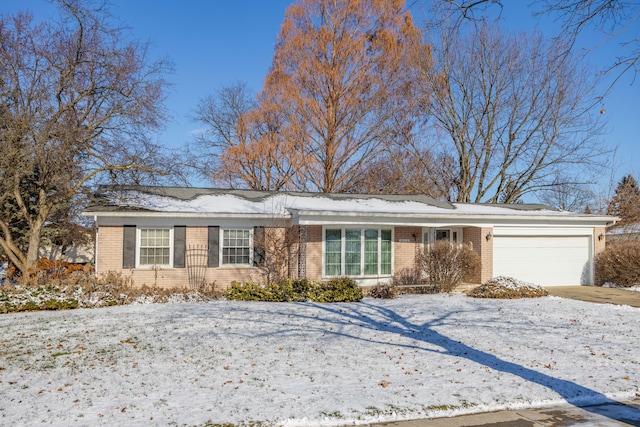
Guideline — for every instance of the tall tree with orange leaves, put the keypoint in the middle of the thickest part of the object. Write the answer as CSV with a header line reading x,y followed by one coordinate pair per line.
x,y
342,74
339,90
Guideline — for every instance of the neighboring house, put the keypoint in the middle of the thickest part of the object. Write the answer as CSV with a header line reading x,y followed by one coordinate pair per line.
x,y
169,236
75,254
624,232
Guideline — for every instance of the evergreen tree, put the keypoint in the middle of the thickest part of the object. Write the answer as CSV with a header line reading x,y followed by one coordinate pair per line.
x,y
626,201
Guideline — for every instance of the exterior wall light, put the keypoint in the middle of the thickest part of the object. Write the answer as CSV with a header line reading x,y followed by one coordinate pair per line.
x,y
489,236
601,236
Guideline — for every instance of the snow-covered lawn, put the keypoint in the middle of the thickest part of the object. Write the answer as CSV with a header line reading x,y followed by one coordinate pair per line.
x,y
301,364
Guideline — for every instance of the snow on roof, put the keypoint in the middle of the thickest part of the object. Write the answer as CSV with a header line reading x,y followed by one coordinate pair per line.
x,y
217,202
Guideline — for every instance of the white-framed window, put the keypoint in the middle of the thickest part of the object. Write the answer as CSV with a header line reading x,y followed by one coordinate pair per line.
x,y
432,235
236,247
155,247
357,252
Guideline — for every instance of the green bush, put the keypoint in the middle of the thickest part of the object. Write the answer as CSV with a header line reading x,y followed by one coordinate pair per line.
x,y
338,289
341,289
619,264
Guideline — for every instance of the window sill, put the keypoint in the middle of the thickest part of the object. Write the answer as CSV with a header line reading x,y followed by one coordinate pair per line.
x,y
154,267
234,266
375,276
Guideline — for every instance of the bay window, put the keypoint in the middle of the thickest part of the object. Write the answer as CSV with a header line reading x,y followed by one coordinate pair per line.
x,y
357,252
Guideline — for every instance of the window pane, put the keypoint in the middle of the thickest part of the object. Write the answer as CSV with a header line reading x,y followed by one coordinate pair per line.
x,y
333,253
442,234
352,252
385,252
371,252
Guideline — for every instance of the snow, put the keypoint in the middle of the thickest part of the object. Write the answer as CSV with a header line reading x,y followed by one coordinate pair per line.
x,y
303,364
511,283
281,204
635,288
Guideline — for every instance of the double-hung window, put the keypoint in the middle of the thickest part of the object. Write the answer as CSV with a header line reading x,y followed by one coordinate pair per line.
x,y
155,247
236,247
357,252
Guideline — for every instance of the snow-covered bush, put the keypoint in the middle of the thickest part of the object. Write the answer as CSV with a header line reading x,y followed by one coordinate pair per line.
x,y
81,289
619,264
504,287
444,265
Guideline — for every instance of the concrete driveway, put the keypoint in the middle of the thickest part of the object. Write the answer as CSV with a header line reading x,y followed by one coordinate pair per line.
x,y
613,414
597,294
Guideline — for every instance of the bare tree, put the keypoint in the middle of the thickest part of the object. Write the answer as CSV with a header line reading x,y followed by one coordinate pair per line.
x,y
568,196
407,170
78,103
614,19
513,111
220,114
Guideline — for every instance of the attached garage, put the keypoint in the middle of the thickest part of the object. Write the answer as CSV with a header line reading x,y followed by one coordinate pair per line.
x,y
563,257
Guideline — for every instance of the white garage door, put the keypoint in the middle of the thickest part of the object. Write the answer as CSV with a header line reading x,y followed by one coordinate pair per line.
x,y
546,261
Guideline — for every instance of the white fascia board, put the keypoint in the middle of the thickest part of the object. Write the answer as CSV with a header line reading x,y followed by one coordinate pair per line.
x,y
202,215
557,230
437,220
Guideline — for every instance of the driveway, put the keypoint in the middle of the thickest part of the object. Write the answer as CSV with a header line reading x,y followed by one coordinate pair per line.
x,y
597,294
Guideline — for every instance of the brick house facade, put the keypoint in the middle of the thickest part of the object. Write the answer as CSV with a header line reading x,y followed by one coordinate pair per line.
x,y
164,236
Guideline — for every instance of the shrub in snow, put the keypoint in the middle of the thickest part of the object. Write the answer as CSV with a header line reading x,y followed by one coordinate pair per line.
x,y
407,277
619,264
444,265
341,289
43,291
504,287
282,291
338,289
383,291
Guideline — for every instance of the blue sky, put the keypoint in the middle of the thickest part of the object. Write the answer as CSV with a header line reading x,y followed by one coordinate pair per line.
x,y
214,43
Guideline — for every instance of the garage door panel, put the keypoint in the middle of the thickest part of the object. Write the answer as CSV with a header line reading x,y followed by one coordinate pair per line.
x,y
547,261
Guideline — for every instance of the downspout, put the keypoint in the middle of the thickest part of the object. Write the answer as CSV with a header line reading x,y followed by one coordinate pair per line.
x,y
95,247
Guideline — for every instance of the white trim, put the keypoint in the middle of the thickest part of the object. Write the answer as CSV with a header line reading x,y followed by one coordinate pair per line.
x,y
205,215
501,230
221,246
458,231
138,241
382,218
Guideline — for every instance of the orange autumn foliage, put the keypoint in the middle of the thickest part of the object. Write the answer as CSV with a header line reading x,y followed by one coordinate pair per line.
x,y
340,83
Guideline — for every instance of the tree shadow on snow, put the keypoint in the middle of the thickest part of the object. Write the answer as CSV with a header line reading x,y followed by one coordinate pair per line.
x,y
384,319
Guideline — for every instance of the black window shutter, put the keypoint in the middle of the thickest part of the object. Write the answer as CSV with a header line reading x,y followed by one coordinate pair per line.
x,y
179,245
258,246
213,258
129,247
